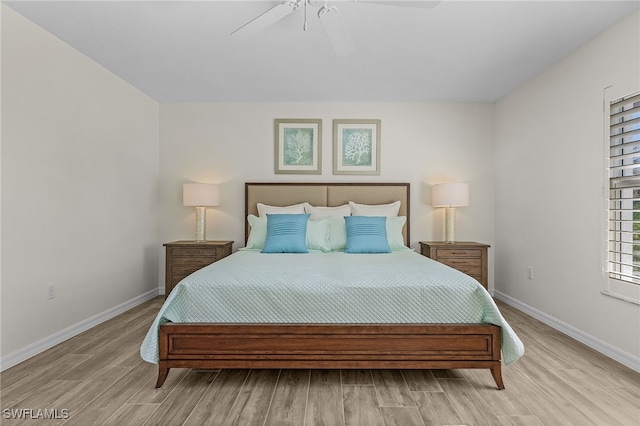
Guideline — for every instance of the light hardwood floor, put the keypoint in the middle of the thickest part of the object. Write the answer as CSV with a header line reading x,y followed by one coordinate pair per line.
x,y
98,378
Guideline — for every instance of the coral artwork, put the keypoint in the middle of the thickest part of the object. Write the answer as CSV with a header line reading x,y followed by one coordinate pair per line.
x,y
356,149
298,147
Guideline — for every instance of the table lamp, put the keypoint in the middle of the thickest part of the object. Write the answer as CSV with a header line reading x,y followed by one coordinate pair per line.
x,y
450,196
201,196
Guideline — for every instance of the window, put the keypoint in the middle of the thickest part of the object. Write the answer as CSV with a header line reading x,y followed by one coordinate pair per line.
x,y
622,189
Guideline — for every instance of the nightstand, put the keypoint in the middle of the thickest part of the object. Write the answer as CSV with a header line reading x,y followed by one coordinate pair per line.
x,y
186,257
467,257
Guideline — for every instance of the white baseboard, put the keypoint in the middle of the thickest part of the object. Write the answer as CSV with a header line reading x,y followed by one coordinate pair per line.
x,y
42,345
604,348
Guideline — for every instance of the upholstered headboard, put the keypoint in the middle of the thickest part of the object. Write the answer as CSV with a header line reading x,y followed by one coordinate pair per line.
x,y
326,194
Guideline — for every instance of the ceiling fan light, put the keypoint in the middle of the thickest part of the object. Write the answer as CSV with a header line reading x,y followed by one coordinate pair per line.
x,y
336,31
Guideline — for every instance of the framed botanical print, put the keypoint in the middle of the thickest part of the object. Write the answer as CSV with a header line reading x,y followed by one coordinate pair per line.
x,y
356,147
298,146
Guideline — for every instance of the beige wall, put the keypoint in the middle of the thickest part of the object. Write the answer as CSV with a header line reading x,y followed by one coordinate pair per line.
x,y
549,190
79,187
421,144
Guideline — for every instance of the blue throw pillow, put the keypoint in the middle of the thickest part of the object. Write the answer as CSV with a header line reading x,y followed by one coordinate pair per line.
x,y
286,233
366,234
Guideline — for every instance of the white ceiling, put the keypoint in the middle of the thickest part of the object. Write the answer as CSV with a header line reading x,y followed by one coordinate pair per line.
x,y
181,51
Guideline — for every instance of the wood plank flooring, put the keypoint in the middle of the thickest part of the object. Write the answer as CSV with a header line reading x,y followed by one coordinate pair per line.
x,y
98,378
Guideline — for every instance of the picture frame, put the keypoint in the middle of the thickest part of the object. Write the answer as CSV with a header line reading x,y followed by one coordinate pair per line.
x,y
298,146
356,147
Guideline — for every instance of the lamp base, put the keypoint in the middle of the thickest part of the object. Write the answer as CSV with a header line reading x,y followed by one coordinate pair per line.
x,y
201,224
450,225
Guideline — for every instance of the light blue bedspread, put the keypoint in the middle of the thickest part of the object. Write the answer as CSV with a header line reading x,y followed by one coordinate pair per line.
x,y
400,287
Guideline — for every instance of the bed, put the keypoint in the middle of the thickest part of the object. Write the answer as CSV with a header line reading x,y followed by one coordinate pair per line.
x,y
343,318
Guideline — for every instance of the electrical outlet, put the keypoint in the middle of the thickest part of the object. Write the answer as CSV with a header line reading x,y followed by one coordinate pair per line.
x,y
52,292
530,272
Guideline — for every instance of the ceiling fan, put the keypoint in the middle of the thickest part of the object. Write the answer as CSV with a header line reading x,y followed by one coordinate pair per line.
x,y
329,16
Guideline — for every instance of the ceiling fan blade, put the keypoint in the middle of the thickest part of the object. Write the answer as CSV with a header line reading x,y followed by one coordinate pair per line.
x,y
266,19
424,4
336,31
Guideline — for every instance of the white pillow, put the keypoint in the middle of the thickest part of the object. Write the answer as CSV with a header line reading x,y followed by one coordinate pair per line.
x,y
337,234
394,233
375,210
257,232
263,209
320,212
317,234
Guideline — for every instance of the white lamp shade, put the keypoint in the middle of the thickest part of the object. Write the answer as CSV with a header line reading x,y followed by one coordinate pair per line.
x,y
450,195
200,194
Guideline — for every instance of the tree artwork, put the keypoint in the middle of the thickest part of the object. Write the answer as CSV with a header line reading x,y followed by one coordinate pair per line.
x,y
356,147
298,146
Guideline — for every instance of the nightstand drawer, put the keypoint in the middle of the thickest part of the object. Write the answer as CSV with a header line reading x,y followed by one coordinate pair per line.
x,y
458,262
192,261
187,269
190,251
469,266
458,253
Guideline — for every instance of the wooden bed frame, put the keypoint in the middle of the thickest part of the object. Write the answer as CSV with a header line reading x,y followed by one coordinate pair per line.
x,y
329,346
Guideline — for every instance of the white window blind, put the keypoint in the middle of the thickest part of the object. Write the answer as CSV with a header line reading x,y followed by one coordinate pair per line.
x,y
623,240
